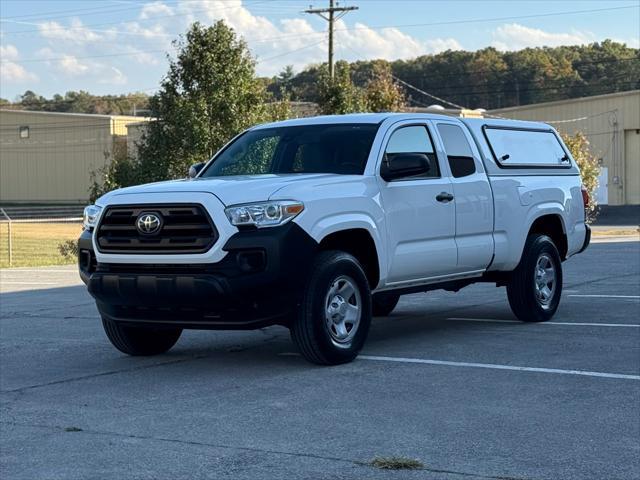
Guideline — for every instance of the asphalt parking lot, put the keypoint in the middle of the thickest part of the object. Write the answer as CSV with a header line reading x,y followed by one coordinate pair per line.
x,y
449,379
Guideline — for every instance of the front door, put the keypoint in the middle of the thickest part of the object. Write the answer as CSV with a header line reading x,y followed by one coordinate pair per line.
x,y
420,216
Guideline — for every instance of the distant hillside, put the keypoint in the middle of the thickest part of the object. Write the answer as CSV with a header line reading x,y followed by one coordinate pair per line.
x,y
82,102
489,78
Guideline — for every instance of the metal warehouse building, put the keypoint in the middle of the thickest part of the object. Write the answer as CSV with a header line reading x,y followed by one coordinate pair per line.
x,y
612,125
48,157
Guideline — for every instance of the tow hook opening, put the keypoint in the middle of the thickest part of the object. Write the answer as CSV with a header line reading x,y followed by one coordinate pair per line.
x,y
250,261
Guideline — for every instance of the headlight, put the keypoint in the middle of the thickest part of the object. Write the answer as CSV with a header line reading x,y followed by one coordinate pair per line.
x,y
90,216
264,214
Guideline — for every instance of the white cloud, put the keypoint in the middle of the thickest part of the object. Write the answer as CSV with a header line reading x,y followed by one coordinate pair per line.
x,y
306,44
116,77
70,65
154,32
388,43
150,10
142,57
437,45
514,36
8,52
10,71
631,42
76,33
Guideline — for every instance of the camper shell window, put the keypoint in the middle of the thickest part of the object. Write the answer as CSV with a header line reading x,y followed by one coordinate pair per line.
x,y
526,148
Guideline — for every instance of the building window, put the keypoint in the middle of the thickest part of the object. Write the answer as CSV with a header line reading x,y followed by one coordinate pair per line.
x,y
23,132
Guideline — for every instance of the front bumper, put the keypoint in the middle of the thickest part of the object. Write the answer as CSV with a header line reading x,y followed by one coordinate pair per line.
x,y
257,283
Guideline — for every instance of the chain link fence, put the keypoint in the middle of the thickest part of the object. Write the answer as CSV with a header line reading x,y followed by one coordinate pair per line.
x,y
39,236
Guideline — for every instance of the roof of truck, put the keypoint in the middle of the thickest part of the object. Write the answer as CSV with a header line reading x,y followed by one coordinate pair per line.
x,y
376,118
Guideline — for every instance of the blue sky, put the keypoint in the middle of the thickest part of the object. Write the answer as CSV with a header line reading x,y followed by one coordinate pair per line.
x,y
118,46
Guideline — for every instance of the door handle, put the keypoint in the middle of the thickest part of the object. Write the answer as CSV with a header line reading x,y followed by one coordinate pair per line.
x,y
444,197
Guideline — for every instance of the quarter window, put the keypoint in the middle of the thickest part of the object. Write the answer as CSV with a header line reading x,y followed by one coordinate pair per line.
x,y
459,154
413,139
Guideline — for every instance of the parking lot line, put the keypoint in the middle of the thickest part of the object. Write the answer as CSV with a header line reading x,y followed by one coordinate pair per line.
x,y
498,367
576,324
635,297
2,282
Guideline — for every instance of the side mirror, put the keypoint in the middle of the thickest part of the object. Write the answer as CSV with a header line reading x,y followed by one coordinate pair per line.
x,y
194,170
404,165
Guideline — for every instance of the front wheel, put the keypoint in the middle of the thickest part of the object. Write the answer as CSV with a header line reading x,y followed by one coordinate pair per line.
x,y
140,340
334,318
535,287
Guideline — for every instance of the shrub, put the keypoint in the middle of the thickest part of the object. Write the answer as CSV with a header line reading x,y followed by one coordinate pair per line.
x,y
589,167
68,249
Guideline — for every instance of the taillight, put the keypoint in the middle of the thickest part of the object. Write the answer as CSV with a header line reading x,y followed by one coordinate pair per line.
x,y
585,197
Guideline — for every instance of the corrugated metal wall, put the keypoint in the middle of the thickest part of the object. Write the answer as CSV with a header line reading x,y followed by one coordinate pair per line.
x,y
52,160
612,125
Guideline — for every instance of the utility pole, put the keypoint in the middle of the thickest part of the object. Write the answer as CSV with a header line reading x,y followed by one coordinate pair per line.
x,y
332,18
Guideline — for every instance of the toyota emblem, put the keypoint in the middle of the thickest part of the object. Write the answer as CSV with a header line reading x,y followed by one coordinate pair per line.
x,y
148,223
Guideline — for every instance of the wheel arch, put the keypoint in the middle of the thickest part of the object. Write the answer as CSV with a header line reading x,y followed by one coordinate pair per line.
x,y
552,225
359,242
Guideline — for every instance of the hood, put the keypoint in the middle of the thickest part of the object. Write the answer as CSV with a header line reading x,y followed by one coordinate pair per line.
x,y
230,190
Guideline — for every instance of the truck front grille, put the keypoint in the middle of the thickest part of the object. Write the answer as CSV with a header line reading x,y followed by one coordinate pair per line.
x,y
184,228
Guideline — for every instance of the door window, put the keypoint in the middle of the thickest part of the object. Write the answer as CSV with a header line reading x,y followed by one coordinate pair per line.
x,y
459,154
413,139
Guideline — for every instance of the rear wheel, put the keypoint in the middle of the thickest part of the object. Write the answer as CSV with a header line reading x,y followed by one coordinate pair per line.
x,y
384,303
140,340
535,287
334,317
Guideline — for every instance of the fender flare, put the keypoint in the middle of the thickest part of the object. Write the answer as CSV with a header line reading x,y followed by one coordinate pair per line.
x,y
538,211
350,221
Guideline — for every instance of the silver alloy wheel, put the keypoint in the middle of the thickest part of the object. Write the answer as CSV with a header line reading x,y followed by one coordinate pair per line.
x,y
343,310
545,280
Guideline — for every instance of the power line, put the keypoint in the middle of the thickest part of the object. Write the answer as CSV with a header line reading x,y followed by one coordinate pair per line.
x,y
430,95
106,10
579,119
605,86
557,83
88,26
116,99
417,89
382,27
467,72
140,52
77,12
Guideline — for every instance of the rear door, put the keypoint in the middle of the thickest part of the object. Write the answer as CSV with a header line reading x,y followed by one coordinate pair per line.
x,y
473,197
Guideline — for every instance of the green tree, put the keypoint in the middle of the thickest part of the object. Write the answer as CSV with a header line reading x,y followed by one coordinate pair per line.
x,y
382,93
282,82
209,95
589,166
340,95
30,100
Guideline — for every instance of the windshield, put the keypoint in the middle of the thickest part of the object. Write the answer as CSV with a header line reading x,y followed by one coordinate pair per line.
x,y
341,148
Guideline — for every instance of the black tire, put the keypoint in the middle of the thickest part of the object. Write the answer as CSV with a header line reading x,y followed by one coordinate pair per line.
x,y
527,301
384,303
310,329
140,341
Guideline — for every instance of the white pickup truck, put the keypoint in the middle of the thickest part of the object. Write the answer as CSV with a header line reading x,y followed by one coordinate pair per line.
x,y
318,224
